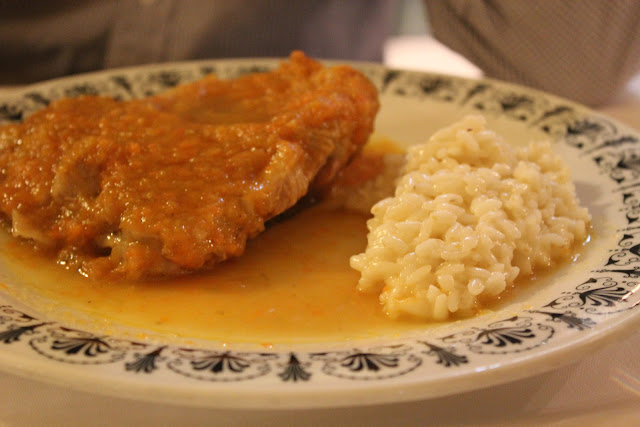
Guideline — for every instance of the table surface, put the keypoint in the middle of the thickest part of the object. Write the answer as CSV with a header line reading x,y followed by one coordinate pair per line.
x,y
602,388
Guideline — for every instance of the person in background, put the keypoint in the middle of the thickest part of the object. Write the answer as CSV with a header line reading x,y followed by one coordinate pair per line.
x,y
41,39
585,50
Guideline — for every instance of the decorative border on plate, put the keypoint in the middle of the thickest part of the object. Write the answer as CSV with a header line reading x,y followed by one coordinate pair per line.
x,y
612,289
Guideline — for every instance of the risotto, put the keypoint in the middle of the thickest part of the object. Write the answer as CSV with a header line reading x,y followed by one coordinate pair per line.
x,y
470,214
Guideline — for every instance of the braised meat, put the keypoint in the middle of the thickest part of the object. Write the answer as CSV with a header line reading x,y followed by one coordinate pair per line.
x,y
178,182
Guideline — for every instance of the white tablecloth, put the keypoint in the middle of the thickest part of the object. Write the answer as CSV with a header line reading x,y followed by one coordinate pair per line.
x,y
602,388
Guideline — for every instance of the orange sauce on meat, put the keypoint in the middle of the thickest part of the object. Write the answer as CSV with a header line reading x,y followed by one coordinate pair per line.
x,y
293,285
177,182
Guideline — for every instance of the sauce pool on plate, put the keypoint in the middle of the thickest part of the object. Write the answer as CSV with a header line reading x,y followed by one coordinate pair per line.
x,y
293,285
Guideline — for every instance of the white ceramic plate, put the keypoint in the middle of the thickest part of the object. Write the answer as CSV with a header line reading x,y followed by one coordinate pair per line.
x,y
595,298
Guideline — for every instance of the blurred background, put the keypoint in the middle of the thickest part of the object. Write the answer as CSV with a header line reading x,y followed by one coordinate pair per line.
x,y
585,50
412,46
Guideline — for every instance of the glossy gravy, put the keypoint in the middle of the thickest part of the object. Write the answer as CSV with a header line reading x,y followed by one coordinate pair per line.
x,y
293,284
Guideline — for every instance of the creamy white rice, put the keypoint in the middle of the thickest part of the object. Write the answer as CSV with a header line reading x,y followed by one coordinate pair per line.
x,y
470,215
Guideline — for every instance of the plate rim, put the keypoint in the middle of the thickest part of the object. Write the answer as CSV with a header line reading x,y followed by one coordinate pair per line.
x,y
614,328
